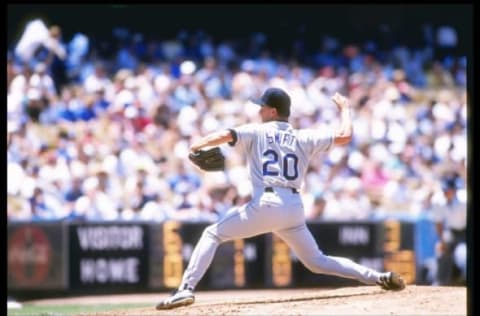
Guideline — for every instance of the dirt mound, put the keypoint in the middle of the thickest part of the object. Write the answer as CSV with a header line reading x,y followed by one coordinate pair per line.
x,y
362,300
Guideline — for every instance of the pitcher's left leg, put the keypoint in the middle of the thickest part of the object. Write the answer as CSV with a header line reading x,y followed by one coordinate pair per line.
x,y
239,223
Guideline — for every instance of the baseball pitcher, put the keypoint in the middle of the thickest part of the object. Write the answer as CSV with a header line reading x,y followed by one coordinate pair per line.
x,y
278,157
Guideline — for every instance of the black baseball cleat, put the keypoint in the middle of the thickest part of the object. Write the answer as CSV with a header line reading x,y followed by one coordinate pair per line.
x,y
179,298
391,281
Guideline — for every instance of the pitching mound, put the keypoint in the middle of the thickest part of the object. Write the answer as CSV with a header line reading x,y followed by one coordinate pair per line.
x,y
363,300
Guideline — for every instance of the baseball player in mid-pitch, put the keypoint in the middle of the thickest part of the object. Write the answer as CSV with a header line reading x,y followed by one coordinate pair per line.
x,y
278,157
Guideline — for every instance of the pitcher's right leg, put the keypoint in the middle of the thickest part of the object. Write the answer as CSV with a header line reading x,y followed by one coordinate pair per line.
x,y
301,241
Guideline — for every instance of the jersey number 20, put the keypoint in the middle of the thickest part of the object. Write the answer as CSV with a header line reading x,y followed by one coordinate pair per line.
x,y
286,164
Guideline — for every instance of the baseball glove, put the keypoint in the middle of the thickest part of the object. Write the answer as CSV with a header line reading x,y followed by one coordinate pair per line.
x,y
209,160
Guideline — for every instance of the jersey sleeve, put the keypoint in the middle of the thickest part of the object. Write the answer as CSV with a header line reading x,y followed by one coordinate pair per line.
x,y
318,140
243,135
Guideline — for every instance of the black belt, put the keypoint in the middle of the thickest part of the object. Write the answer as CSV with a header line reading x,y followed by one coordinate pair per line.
x,y
270,189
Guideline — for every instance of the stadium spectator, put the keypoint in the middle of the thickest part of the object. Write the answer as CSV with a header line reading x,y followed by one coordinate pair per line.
x,y
450,214
37,36
120,116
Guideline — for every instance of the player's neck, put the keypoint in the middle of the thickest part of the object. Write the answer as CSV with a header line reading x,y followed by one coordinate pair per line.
x,y
279,119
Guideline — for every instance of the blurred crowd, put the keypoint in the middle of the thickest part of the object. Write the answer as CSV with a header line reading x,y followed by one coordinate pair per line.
x,y
95,138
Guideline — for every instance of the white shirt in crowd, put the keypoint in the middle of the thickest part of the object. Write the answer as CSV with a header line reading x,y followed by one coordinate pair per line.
x,y
35,34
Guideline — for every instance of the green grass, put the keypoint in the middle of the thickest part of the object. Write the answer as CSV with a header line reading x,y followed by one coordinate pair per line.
x,y
72,309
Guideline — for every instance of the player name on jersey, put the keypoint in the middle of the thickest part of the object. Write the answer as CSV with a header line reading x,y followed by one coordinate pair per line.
x,y
281,138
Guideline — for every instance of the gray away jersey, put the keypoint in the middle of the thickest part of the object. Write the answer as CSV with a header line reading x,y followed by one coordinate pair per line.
x,y
278,155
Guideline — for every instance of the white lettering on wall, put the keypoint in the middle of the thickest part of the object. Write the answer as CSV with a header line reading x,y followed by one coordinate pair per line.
x,y
354,235
187,251
102,270
110,238
250,252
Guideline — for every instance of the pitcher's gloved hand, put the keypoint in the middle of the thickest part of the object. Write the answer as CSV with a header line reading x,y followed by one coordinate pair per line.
x,y
209,159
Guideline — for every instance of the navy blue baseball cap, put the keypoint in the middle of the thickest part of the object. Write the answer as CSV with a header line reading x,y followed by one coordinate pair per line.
x,y
275,98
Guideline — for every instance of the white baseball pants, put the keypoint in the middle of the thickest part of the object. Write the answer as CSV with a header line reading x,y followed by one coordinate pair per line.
x,y
280,212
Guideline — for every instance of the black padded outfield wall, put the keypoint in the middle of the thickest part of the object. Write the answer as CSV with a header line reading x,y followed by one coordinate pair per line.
x,y
108,255
266,261
379,245
36,256
114,257
237,263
